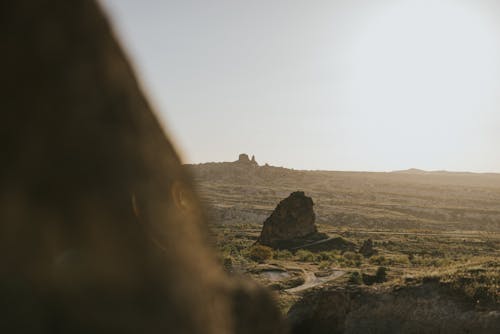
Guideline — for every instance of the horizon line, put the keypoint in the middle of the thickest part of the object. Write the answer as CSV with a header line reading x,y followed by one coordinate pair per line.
x,y
411,170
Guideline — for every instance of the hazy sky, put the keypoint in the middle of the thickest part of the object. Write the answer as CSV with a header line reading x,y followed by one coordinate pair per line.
x,y
322,84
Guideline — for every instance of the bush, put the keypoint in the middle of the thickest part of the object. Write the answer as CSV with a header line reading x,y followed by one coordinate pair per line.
x,y
351,256
227,262
379,259
355,278
326,256
381,274
379,277
305,256
350,259
283,254
259,253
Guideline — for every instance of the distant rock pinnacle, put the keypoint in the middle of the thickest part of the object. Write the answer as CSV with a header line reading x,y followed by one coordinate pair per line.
x,y
245,160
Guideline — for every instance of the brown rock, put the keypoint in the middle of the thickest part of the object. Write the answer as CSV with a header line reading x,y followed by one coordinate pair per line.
x,y
243,159
424,308
291,224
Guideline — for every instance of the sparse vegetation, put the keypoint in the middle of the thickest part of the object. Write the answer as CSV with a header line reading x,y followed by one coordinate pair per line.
x,y
422,233
259,253
305,256
381,274
324,265
283,254
228,263
355,278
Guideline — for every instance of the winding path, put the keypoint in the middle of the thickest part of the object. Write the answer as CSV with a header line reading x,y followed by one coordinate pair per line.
x,y
312,280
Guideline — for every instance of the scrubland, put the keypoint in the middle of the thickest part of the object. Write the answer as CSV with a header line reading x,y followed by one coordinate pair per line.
x,y
425,226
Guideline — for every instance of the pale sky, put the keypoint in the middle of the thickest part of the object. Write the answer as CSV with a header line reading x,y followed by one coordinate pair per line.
x,y
373,85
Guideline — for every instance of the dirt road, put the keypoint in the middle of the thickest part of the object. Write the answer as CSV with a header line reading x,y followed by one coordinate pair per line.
x,y
312,280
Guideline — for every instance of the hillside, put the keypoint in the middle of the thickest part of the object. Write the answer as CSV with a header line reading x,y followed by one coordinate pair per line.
x,y
239,192
423,246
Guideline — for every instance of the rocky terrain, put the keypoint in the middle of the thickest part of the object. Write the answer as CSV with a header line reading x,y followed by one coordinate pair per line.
x,y
406,252
408,200
429,307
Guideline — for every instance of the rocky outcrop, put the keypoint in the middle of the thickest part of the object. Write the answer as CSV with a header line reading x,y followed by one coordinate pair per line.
x,y
291,224
243,159
426,308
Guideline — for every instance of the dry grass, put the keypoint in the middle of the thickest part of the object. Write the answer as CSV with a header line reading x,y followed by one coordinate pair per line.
x,y
435,226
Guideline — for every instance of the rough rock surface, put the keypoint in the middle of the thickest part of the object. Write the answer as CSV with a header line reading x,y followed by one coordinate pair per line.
x,y
291,224
245,160
426,308
334,243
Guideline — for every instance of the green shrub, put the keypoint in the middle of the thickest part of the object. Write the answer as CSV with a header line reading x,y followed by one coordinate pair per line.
x,y
379,277
381,274
355,278
228,249
326,256
379,259
350,259
259,253
305,256
283,254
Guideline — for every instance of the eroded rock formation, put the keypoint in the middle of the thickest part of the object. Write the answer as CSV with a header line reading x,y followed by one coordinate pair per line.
x,y
425,308
291,224
243,159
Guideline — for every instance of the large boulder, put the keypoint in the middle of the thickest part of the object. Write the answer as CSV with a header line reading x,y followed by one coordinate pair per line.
x,y
291,224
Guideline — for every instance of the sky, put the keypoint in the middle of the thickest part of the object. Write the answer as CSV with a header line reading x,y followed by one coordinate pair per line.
x,y
366,85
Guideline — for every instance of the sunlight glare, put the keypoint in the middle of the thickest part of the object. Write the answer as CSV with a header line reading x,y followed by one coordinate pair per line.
x,y
421,72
